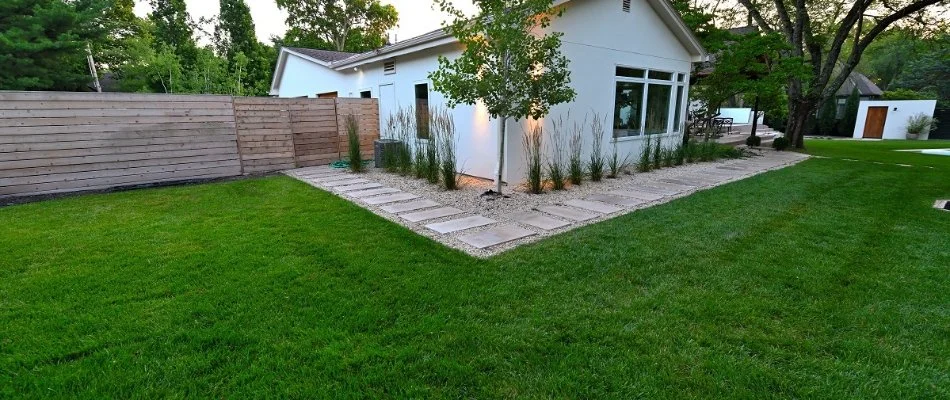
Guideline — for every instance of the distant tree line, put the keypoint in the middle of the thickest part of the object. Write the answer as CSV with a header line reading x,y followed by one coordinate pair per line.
x,y
45,43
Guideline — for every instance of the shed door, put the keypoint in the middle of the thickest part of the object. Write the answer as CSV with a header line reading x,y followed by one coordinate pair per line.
x,y
874,124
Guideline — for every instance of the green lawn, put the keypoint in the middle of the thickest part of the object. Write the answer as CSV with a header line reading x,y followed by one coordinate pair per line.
x,y
830,279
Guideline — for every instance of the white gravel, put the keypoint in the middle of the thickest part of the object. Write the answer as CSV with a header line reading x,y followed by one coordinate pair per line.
x,y
469,197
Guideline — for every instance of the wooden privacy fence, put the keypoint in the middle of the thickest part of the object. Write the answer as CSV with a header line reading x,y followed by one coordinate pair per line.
x,y
62,142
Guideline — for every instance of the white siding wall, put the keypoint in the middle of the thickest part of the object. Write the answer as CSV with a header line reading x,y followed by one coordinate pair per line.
x,y
598,37
304,78
898,111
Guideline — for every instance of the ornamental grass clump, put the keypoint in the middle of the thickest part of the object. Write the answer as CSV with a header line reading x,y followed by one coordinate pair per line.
x,y
443,130
575,164
391,156
615,164
679,154
532,146
657,158
406,134
669,156
596,164
353,142
645,165
556,160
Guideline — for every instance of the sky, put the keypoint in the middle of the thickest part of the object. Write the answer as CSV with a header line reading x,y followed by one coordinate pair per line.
x,y
415,16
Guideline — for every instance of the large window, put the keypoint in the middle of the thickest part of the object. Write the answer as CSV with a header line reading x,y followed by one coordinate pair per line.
x,y
647,102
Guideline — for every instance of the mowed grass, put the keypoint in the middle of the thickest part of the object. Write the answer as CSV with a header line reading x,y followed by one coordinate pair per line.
x,y
824,280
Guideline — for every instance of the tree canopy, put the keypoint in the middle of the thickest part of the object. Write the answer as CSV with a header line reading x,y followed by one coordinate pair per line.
x,y
341,25
43,43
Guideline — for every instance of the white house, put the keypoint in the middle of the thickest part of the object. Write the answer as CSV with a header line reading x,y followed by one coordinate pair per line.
x,y
630,62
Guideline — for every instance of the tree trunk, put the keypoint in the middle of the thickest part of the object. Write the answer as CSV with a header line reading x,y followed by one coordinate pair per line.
x,y
501,152
798,115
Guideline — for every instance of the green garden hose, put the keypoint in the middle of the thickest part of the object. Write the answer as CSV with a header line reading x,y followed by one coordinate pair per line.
x,y
344,164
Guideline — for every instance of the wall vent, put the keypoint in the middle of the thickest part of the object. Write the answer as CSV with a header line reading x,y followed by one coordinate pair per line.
x,y
389,67
626,5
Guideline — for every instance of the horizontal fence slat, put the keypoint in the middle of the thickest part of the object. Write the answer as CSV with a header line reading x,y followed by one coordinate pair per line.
x,y
55,142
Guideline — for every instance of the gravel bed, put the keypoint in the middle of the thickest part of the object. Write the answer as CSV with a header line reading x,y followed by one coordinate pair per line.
x,y
470,199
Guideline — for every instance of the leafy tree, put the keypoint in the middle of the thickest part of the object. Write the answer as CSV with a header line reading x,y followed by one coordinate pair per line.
x,y
850,113
341,25
817,33
827,117
930,73
507,65
885,58
235,31
752,65
43,43
249,62
174,29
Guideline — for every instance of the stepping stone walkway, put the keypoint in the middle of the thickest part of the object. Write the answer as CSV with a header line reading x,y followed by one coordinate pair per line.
x,y
488,234
616,200
495,236
392,198
344,182
358,186
594,206
431,214
372,192
638,194
461,224
538,220
410,206
572,214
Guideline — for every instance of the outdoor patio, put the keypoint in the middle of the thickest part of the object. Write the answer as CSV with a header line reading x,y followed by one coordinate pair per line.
x,y
484,226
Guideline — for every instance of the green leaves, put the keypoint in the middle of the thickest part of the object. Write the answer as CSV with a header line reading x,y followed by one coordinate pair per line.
x,y
341,25
42,43
506,65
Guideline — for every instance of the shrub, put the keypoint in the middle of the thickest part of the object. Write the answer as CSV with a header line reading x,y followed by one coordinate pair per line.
x,y
780,143
753,141
596,164
532,145
556,163
708,151
575,167
644,165
615,164
353,141
920,123
443,130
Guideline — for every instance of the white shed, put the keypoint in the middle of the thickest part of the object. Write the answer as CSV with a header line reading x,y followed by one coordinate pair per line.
x,y
887,119
630,62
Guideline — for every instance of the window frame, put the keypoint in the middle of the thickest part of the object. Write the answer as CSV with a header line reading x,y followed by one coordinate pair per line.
x,y
675,84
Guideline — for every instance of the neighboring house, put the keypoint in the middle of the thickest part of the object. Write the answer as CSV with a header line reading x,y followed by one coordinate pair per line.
x,y
867,90
630,62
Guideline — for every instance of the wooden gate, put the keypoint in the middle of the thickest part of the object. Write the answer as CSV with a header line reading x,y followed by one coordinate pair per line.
x,y
874,123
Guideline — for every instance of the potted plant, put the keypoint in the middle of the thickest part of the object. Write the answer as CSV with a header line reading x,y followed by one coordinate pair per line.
x,y
919,124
